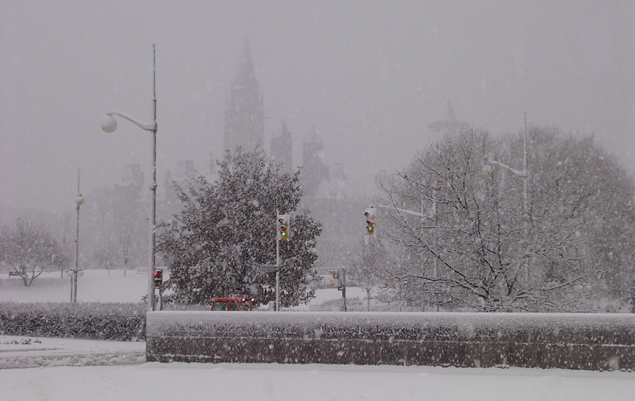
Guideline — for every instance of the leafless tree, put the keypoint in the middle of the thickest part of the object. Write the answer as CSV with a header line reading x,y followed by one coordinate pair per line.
x,y
30,250
367,269
477,247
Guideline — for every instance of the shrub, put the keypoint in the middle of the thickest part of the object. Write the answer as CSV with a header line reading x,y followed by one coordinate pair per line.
x,y
96,321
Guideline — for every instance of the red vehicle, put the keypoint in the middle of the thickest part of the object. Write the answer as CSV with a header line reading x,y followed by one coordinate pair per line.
x,y
232,304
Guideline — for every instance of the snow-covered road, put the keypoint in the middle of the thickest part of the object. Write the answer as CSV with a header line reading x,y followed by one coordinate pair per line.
x,y
123,381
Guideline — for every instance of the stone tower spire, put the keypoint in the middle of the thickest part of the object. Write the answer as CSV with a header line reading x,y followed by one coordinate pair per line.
x,y
244,109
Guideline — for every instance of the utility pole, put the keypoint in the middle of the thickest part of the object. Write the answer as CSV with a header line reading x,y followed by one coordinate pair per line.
x,y
78,202
109,124
524,174
277,263
339,274
283,225
343,273
526,171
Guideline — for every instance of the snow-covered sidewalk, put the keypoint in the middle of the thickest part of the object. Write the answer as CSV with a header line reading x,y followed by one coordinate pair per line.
x,y
29,352
183,382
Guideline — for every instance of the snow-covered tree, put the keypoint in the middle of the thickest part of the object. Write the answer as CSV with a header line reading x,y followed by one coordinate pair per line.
x,y
30,250
582,221
227,229
478,247
367,269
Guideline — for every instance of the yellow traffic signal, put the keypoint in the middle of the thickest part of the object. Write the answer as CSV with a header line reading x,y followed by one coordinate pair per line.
x,y
370,228
284,228
370,220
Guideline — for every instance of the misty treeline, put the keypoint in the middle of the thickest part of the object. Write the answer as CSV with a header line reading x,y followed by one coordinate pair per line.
x,y
113,235
482,245
116,225
226,230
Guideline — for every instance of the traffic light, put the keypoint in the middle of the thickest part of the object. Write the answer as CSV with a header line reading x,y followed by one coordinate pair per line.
x,y
340,275
158,278
336,276
370,220
284,228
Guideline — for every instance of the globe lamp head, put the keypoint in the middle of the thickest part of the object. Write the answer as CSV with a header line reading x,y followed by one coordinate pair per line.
x,y
108,124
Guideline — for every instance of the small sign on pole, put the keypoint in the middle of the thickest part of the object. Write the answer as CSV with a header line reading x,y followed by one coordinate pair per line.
x,y
269,268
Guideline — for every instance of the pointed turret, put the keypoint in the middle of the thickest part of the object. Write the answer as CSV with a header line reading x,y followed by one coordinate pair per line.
x,y
245,73
281,149
315,169
449,126
244,113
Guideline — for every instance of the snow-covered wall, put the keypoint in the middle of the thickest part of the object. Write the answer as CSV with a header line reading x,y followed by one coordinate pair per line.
x,y
570,341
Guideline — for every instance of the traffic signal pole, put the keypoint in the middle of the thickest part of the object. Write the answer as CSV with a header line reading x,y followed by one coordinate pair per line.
x,y
343,272
277,265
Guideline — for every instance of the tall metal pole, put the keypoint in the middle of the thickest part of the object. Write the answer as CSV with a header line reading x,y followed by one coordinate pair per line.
x,y
109,124
153,185
523,174
434,224
277,266
343,273
78,201
526,172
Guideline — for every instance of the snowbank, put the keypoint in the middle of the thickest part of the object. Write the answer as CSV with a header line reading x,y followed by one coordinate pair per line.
x,y
30,352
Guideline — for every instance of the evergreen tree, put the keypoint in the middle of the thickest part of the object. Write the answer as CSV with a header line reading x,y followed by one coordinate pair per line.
x,y
227,229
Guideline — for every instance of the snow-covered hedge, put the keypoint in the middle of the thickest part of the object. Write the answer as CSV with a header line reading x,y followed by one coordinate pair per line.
x,y
101,321
570,341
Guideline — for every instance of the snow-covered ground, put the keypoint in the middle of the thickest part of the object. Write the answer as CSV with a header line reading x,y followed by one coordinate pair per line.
x,y
68,369
92,286
102,286
73,378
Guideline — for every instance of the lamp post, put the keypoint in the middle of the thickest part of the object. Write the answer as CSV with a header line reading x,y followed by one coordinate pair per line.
x,y
78,201
523,174
109,124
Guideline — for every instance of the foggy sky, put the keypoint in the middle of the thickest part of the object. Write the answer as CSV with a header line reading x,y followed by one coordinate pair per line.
x,y
368,75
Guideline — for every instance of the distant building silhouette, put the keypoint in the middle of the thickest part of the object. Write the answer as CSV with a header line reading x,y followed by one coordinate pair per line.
x,y
282,150
449,126
314,169
132,175
184,171
132,180
244,109
324,187
339,179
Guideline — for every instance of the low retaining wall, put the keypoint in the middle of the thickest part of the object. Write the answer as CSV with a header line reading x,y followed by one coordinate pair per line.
x,y
568,341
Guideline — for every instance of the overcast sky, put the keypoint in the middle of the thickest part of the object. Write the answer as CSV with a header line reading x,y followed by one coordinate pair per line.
x,y
368,75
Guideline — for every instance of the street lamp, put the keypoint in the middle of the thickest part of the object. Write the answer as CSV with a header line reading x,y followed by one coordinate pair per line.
x,y
109,124
78,201
523,174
